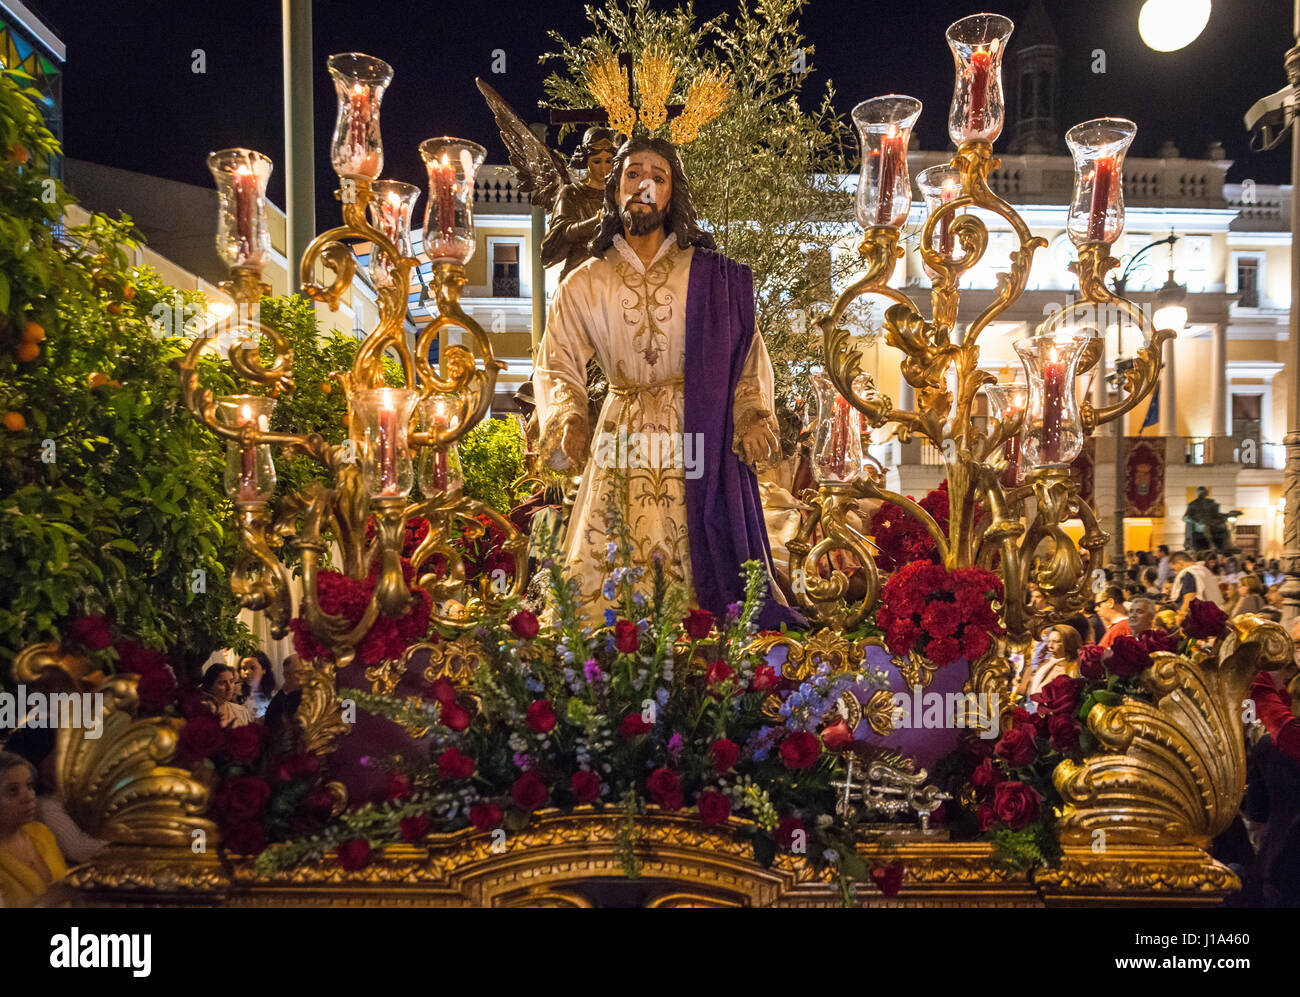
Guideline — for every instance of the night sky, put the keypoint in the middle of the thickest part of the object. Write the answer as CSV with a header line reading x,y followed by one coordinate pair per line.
x,y
131,100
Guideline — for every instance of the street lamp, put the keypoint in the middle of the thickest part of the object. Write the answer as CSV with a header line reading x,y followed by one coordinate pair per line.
x,y
1171,313
1168,25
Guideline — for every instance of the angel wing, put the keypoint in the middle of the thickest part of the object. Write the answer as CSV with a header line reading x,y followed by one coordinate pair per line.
x,y
540,171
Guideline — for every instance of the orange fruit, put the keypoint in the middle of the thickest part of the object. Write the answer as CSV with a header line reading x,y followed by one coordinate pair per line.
x,y
27,352
14,422
96,380
128,292
19,154
33,332
115,383
115,308
326,387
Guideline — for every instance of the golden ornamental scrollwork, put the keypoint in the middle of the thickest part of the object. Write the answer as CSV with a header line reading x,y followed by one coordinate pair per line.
x,y
1172,770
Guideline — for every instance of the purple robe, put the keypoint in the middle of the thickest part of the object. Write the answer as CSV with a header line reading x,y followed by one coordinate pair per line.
x,y
724,516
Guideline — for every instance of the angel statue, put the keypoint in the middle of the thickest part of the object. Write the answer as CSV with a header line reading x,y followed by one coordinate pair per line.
x,y
690,411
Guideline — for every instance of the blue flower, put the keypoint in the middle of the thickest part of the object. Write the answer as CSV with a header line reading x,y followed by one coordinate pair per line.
x,y
607,590
611,617
638,598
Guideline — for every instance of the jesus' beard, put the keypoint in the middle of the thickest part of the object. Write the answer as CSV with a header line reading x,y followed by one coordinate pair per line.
x,y
642,222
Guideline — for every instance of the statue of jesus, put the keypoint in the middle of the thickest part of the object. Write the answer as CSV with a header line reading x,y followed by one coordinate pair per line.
x,y
690,410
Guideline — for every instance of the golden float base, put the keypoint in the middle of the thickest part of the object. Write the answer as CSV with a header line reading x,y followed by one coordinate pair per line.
x,y
574,861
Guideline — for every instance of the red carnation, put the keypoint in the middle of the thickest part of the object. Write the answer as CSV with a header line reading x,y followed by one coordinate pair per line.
x,y
585,785
201,737
92,632
698,623
442,691
133,657
1016,804
454,716
800,750
715,808
791,834
524,624
319,802
304,766
485,816
888,878
665,788
397,787
719,671
725,754
1204,620
634,725
452,764
837,736
529,791
765,678
354,853
626,636
540,717
415,828
1017,747
156,689
244,744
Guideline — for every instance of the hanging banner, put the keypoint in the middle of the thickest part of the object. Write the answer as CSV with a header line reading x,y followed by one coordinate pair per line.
x,y
1144,476
1083,470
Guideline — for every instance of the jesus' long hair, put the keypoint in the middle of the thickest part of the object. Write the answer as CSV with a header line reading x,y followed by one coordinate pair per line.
x,y
680,217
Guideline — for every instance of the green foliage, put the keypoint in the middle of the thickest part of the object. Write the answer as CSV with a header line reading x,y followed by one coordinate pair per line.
x,y
492,457
764,174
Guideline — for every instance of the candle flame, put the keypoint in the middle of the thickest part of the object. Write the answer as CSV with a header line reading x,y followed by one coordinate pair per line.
x,y
246,414
1052,358
394,200
243,169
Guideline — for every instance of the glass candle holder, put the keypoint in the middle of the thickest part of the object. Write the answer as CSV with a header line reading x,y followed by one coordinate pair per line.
x,y
440,470
837,445
1006,402
243,239
1097,209
359,81
884,190
978,109
449,212
384,416
250,470
1053,430
390,211
939,185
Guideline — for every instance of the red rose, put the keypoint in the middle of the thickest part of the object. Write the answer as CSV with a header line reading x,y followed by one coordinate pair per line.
x,y
248,838
719,671
200,737
633,726
978,747
415,828
524,624
1063,733
984,814
765,678
1127,658
665,788
354,853
540,717
1016,804
1016,747
1157,640
529,791
1204,620
454,716
791,835
397,787
132,657
319,802
626,637
1061,695
192,704
715,808
725,754
242,798
800,750
156,689
454,765
888,878
585,785
92,632
244,744
485,816
442,691
304,766
698,623
986,776
1092,662
837,736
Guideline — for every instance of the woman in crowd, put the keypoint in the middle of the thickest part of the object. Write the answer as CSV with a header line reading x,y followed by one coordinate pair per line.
x,y
30,862
1062,658
1250,596
37,744
218,686
258,680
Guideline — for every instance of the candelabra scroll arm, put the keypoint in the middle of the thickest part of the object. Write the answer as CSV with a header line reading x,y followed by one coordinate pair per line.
x,y
367,366
265,587
831,505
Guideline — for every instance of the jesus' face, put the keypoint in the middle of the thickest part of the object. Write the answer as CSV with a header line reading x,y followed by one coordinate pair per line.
x,y
643,194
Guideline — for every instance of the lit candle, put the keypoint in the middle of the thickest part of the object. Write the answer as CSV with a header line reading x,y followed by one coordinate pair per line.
x,y
248,491
980,62
1053,402
390,218
442,180
1011,450
839,436
245,188
892,159
1104,174
438,468
358,125
949,193
387,447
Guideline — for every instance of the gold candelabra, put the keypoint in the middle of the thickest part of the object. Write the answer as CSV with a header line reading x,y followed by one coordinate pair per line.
x,y
1011,520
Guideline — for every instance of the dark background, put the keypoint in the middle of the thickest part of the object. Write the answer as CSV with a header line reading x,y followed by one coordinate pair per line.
x,y
131,99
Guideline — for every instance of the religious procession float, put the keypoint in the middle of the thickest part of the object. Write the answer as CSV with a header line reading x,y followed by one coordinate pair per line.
x,y
616,700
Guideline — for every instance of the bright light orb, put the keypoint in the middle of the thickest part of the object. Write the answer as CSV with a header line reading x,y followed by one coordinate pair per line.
x,y
1168,25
